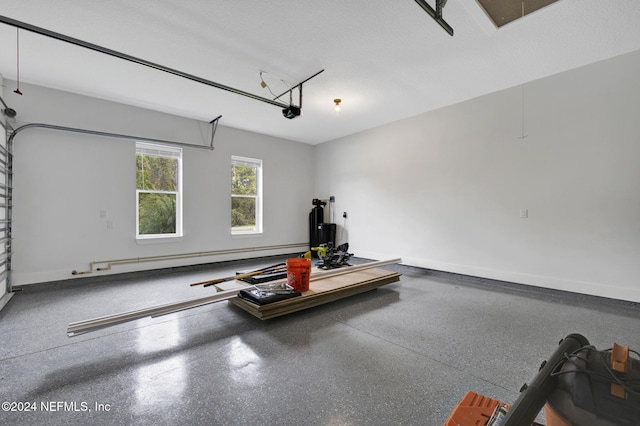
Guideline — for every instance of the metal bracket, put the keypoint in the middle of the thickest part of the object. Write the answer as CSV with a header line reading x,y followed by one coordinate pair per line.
x,y
214,127
299,86
436,14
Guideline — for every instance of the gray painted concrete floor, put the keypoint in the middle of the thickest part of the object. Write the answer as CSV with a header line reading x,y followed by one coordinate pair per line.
x,y
402,354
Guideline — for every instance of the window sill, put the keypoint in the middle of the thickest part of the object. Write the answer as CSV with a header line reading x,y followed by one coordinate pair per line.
x,y
247,235
158,240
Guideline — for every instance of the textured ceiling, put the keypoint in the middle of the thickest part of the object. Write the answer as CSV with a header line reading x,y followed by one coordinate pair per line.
x,y
386,60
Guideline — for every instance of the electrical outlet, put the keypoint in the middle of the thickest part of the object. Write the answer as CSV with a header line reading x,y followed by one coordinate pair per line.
x,y
524,213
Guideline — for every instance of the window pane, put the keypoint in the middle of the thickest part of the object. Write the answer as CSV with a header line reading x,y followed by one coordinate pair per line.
x,y
243,213
156,173
246,195
156,213
244,180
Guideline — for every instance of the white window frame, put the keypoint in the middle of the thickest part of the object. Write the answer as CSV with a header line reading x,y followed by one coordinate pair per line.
x,y
161,151
254,162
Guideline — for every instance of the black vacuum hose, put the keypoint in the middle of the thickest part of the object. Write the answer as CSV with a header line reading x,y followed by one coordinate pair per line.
x,y
533,397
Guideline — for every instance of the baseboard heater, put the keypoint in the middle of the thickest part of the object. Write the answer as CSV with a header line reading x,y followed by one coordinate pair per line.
x,y
108,264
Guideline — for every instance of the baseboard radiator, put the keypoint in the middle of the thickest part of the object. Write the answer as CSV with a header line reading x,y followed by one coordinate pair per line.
x,y
106,265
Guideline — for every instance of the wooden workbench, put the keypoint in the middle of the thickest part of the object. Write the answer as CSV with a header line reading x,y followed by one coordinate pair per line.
x,y
322,291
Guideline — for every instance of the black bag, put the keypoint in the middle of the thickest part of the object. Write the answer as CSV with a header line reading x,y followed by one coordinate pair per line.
x,y
266,293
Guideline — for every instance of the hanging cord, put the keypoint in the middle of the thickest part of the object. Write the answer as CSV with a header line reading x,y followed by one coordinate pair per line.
x,y
18,61
609,375
266,86
523,115
523,136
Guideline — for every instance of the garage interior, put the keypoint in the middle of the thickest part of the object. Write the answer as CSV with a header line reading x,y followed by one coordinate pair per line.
x,y
498,160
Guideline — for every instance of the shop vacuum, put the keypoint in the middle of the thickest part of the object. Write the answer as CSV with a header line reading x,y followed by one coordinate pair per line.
x,y
578,385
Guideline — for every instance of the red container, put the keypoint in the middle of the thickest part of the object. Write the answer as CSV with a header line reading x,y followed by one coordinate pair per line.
x,y
298,272
473,410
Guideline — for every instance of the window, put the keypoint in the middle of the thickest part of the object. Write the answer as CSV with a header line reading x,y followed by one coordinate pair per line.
x,y
158,191
246,195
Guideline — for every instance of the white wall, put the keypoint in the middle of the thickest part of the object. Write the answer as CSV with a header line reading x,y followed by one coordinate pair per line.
x,y
444,189
63,181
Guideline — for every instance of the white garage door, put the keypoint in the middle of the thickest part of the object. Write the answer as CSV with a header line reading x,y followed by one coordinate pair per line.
x,y
5,213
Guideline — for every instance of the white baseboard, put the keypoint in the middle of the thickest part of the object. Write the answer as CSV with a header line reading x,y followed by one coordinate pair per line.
x,y
575,286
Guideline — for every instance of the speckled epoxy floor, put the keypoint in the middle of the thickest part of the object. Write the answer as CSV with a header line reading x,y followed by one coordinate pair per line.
x,y
402,354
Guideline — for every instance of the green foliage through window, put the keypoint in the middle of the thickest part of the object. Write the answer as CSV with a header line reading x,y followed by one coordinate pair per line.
x,y
245,195
156,173
243,212
158,183
157,213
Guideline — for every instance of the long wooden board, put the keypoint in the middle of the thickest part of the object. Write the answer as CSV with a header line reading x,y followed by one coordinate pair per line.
x,y
321,292
79,327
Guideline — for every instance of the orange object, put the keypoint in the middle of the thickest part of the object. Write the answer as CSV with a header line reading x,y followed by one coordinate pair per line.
x,y
473,410
553,418
619,359
298,273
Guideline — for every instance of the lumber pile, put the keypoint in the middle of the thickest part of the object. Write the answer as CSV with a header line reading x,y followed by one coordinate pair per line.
x,y
321,292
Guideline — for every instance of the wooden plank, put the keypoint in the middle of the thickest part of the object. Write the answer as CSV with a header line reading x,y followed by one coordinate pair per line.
x,y
321,292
